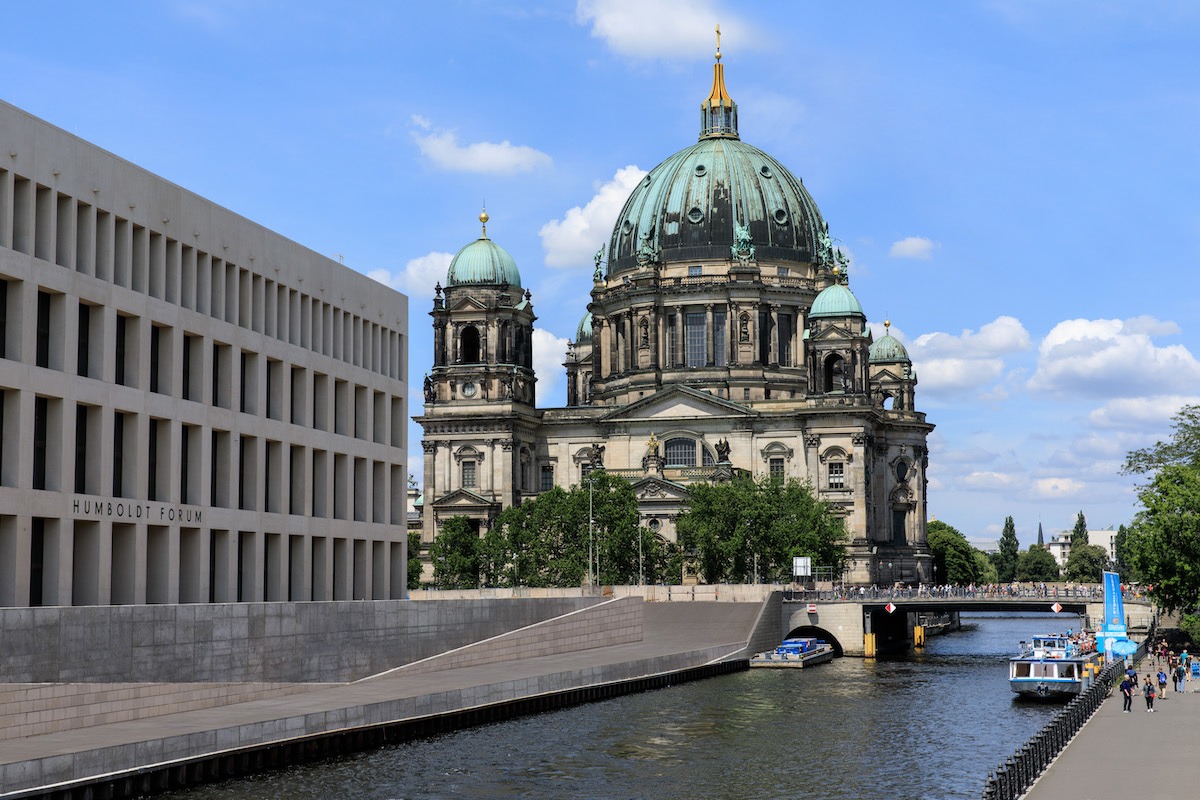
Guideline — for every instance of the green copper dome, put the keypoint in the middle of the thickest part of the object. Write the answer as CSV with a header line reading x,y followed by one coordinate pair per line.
x,y
687,207
836,301
583,334
483,262
888,350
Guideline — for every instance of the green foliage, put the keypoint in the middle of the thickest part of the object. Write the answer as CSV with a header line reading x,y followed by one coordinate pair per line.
x,y
545,541
1182,450
727,524
414,559
985,569
1079,534
1086,563
1009,550
953,556
1037,564
1163,545
1190,624
455,554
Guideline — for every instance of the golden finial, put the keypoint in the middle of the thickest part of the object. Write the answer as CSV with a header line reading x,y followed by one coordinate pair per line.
x,y
483,218
718,42
836,271
887,326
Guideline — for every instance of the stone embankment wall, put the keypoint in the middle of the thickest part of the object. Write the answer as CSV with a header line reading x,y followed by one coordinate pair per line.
x,y
324,642
613,622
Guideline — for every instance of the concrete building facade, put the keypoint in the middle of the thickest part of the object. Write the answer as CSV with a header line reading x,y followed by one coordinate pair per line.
x,y
192,407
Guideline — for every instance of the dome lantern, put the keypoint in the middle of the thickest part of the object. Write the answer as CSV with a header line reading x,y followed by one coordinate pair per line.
x,y
718,114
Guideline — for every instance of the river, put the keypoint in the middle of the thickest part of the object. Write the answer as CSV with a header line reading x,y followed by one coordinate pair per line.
x,y
925,726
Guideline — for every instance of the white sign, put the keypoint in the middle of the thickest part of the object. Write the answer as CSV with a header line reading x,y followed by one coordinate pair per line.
x,y
802,567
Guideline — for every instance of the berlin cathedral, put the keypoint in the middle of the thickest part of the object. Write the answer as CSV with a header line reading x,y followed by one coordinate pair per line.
x,y
721,339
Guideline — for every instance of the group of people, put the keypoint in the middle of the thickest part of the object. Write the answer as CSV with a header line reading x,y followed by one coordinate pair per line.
x,y
1171,666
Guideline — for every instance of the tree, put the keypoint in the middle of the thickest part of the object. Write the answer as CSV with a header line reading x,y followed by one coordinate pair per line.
x,y
414,560
1182,450
1163,544
455,555
547,541
1008,552
1079,534
1037,564
985,568
1086,563
953,556
734,528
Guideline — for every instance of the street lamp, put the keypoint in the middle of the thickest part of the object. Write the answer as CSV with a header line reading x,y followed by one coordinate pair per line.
x,y
591,536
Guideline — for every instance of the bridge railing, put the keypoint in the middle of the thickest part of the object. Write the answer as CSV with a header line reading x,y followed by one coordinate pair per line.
x,y
851,594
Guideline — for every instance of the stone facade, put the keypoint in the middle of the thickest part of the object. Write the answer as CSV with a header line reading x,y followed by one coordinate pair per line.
x,y
721,339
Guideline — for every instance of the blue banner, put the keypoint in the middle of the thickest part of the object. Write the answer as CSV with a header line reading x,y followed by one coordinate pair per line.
x,y
1114,605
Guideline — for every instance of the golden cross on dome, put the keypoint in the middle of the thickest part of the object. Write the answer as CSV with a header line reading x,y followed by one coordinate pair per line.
x,y
718,42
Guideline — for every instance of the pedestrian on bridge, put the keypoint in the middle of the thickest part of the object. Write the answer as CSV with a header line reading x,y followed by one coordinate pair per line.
x,y
1148,693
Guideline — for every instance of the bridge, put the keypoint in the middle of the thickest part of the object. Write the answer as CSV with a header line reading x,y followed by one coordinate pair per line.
x,y
872,622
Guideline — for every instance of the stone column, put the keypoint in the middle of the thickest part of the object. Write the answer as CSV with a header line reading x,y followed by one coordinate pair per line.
x,y
709,337
773,339
680,338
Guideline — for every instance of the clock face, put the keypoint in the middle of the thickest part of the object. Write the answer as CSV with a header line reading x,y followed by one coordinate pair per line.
x,y
468,389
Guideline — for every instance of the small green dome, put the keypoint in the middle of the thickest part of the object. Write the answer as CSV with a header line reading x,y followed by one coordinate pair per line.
x,y
483,262
836,301
888,350
583,334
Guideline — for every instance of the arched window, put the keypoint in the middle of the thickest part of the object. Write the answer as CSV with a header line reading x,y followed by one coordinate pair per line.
x,y
835,376
680,452
468,348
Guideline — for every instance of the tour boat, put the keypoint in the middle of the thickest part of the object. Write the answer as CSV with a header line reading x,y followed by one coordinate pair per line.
x,y
797,653
1054,666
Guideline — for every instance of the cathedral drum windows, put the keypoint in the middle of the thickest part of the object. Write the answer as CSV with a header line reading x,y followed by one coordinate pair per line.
x,y
469,345
683,451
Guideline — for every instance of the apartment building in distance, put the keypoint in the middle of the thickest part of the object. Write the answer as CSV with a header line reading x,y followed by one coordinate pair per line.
x,y
192,407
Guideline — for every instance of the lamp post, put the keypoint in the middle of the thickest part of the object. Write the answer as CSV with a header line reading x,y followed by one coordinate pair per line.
x,y
591,536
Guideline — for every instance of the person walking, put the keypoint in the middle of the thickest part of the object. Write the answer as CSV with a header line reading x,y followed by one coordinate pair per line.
x,y
1127,687
1162,683
1179,673
1148,693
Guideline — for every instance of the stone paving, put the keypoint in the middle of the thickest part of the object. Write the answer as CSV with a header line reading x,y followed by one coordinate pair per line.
x,y
1118,755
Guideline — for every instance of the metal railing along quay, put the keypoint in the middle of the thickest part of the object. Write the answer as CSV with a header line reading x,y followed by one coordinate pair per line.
x,y
1019,771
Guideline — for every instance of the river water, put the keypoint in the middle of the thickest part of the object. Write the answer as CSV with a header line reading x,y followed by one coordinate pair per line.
x,y
927,725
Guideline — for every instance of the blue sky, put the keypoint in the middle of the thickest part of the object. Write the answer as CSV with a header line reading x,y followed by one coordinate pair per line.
x,y
1016,182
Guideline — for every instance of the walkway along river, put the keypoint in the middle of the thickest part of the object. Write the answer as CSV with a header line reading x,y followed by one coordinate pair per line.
x,y
927,725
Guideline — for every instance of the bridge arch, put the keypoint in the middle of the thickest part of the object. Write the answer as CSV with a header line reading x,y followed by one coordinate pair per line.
x,y
818,633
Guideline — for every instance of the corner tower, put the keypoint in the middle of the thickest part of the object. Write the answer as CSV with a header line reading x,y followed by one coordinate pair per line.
x,y
479,416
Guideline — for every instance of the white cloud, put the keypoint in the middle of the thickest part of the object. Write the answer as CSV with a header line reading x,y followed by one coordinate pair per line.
x,y
947,364
913,247
989,481
1056,488
549,352
1113,358
1140,413
661,29
441,147
1000,337
572,241
418,276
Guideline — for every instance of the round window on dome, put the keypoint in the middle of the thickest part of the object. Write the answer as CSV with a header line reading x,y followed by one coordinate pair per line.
x,y
765,171
701,169
781,216
695,215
